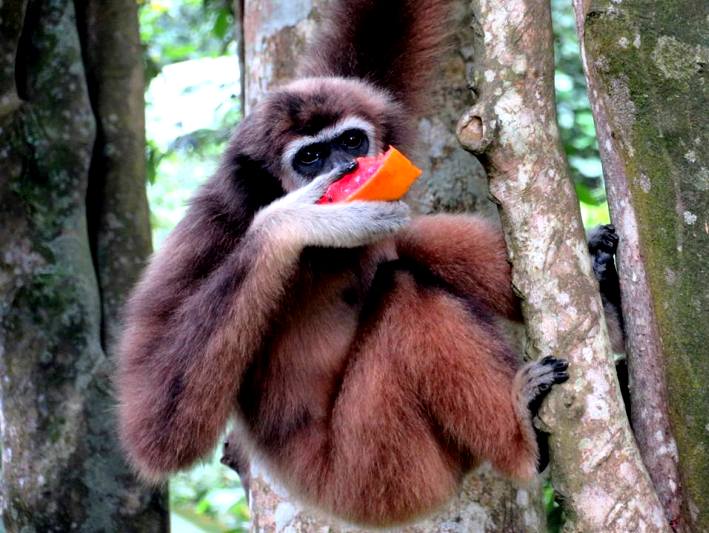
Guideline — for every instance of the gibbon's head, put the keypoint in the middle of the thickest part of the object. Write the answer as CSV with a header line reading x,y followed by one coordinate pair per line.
x,y
312,125
363,85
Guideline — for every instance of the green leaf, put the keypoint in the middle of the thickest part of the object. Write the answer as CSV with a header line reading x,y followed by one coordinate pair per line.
x,y
589,167
222,23
153,156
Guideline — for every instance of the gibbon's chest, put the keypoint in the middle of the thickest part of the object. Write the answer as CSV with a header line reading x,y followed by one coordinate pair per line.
x,y
312,337
327,298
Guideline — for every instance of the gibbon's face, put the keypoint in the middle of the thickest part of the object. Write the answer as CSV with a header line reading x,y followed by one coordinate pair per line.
x,y
316,124
331,147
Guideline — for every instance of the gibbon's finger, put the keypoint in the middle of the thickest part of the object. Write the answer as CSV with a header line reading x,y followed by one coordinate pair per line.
x,y
377,210
365,213
308,194
373,220
312,192
305,196
350,224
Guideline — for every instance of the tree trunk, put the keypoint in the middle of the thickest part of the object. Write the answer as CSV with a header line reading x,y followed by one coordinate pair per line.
x,y
116,198
595,465
62,469
275,34
646,70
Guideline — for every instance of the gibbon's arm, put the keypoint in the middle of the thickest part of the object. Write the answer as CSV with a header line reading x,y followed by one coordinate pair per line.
x,y
467,253
179,368
177,377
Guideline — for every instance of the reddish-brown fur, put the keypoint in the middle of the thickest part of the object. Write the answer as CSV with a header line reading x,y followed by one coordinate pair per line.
x,y
372,377
369,379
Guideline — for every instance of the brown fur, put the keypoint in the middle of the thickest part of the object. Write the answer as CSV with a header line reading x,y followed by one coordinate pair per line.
x,y
369,379
394,45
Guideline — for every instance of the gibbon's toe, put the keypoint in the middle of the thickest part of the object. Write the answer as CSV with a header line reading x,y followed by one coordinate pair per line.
x,y
541,376
604,239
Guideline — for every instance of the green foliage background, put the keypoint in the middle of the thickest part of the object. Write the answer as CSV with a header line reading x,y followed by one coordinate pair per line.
x,y
576,128
184,32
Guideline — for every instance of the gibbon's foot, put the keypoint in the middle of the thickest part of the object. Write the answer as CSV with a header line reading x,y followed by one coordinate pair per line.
x,y
603,239
540,376
602,245
234,456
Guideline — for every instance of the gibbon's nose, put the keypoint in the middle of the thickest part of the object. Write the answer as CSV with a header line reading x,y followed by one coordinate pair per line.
x,y
345,167
343,161
349,166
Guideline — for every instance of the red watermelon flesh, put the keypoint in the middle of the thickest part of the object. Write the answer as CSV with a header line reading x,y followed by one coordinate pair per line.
x,y
349,183
385,177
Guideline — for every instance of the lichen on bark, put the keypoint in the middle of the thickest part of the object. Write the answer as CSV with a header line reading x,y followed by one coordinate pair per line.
x,y
62,469
645,65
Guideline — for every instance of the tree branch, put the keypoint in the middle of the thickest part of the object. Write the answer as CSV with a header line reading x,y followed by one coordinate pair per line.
x,y
595,464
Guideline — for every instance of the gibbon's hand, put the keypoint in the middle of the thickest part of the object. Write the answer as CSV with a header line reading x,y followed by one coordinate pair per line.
x,y
297,220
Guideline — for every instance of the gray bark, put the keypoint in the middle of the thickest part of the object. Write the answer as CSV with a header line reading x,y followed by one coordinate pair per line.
x,y
116,197
485,503
62,469
275,33
596,466
646,70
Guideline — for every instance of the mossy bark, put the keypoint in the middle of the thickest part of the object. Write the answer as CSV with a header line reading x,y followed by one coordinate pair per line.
x,y
276,32
62,469
596,467
646,67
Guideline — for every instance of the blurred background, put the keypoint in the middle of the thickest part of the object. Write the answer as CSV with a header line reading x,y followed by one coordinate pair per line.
x,y
192,104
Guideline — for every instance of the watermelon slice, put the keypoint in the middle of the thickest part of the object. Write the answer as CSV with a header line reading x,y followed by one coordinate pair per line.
x,y
383,177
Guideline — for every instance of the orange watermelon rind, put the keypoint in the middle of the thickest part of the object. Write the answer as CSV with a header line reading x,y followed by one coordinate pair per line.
x,y
391,181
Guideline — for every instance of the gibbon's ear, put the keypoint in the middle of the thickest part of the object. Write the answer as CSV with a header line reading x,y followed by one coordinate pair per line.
x,y
252,177
393,44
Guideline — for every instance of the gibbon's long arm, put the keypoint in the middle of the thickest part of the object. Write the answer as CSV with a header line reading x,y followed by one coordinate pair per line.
x,y
178,374
187,344
395,45
602,245
468,254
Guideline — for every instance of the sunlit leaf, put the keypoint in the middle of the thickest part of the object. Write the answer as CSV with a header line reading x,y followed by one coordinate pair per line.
x,y
222,24
589,167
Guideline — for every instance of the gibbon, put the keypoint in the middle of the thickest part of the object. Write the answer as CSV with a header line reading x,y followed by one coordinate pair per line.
x,y
358,351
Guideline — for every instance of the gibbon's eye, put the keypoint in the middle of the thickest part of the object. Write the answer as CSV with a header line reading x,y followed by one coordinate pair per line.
x,y
310,155
354,141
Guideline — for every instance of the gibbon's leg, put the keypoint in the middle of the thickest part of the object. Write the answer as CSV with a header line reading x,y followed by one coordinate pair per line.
x,y
487,407
430,393
602,245
468,378
178,376
467,253
234,456
386,464
532,384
